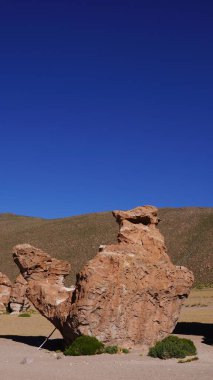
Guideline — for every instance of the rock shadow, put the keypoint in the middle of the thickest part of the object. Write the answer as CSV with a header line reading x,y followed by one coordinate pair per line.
x,y
196,328
36,341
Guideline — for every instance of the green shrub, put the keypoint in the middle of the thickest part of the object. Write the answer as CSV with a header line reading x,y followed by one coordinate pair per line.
x,y
115,350
173,347
111,349
25,315
125,350
85,345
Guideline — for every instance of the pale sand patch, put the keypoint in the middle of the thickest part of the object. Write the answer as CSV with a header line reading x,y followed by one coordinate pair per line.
x,y
35,325
40,365
20,338
198,307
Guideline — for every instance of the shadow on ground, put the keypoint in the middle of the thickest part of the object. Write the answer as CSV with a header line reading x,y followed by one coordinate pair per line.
x,y
186,328
195,328
36,341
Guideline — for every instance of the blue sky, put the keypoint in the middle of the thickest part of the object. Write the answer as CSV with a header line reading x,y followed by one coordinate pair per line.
x,y
105,105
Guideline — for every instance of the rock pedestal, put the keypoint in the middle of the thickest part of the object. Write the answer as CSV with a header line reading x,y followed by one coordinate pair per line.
x,y
129,293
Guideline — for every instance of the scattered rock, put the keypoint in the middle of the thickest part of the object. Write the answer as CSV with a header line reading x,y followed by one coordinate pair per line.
x,y
27,360
129,293
57,356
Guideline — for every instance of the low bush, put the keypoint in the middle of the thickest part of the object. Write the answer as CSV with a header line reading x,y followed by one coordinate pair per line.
x,y
115,350
173,347
111,349
88,345
125,350
85,345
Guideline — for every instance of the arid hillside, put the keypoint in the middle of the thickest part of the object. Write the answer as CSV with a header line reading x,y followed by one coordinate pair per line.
x,y
188,233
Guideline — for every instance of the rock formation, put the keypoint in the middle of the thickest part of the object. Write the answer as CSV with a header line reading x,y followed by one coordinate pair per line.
x,y
13,296
5,289
18,301
129,293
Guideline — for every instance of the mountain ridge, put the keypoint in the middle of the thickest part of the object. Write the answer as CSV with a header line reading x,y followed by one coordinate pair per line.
x,y
187,232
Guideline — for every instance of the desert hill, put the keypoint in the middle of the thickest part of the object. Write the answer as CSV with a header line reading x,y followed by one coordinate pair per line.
x,y
188,233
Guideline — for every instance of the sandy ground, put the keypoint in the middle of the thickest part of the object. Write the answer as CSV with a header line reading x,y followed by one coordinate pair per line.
x,y
21,360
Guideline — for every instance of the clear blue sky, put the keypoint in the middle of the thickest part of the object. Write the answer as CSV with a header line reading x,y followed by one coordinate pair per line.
x,y
105,104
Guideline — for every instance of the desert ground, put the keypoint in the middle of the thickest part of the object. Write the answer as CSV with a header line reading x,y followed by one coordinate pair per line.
x,y
21,359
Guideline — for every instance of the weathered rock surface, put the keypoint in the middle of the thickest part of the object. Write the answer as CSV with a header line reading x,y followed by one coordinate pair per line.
x,y
129,293
18,300
45,279
5,290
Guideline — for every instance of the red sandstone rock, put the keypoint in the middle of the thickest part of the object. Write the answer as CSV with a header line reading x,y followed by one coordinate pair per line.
x,y
45,279
5,289
18,300
129,293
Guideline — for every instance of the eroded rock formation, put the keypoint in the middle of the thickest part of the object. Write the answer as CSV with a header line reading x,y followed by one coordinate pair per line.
x,y
129,293
18,301
45,279
5,290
